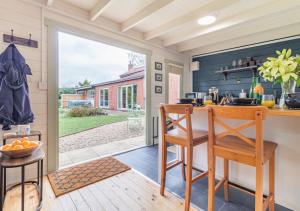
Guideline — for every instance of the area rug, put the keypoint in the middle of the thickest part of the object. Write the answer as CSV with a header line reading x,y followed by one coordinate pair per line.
x,y
75,177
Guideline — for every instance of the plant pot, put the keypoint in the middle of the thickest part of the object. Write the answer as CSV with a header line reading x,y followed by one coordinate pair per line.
x,y
287,88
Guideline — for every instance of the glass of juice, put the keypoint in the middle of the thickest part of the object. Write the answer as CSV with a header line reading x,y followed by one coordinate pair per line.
x,y
207,100
268,101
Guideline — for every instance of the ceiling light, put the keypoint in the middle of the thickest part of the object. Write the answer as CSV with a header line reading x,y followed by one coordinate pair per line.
x,y
207,20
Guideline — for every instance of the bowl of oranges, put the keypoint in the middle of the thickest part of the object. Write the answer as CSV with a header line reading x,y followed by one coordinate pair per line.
x,y
20,148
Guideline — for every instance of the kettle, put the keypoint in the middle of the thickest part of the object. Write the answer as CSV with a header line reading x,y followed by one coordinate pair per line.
x,y
214,93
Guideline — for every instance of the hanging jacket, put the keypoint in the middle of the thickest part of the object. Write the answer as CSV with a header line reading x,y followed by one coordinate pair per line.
x,y
14,99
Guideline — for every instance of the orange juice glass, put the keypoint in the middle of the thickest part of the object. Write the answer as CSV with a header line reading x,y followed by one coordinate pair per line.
x,y
268,101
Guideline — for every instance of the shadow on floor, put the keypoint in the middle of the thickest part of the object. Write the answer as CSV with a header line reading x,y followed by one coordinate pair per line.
x,y
145,160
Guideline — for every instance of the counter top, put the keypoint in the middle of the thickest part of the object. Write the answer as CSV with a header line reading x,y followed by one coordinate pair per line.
x,y
271,112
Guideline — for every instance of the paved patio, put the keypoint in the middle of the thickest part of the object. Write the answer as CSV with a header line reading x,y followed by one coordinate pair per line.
x,y
98,136
102,150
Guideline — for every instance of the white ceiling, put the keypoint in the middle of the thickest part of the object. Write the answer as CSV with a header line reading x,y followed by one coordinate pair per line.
x,y
175,21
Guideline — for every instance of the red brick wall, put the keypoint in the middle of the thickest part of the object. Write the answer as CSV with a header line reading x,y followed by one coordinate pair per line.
x,y
113,93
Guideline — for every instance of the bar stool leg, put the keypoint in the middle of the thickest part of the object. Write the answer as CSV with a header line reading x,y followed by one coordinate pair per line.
x,y
183,163
272,182
259,188
23,186
163,168
188,184
226,177
211,181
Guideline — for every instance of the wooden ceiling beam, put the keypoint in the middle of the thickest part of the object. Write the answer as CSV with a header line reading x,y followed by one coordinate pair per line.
x,y
276,6
255,27
143,14
99,9
194,15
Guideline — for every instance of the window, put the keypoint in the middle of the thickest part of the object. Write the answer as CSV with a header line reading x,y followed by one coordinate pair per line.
x,y
91,94
127,96
103,98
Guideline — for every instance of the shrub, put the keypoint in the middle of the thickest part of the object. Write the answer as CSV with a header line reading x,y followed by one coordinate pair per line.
x,y
85,111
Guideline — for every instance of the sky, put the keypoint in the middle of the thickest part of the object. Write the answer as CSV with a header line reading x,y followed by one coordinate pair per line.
x,y
81,59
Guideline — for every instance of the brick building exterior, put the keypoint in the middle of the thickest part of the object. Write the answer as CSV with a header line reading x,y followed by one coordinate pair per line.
x,y
122,94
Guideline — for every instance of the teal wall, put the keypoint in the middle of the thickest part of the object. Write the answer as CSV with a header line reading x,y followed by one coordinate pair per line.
x,y
206,76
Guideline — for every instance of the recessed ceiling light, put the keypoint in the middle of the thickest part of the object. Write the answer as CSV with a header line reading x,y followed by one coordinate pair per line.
x,y
207,20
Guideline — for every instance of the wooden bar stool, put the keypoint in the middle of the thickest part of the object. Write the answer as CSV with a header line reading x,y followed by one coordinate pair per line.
x,y
182,135
231,144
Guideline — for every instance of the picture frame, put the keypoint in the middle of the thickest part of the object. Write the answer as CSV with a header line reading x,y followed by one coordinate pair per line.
x,y
158,77
158,66
158,89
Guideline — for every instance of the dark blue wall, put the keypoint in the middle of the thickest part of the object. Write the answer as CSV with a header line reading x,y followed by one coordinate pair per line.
x,y
206,76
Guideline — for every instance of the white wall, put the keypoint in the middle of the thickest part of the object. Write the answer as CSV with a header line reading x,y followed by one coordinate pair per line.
x,y
28,16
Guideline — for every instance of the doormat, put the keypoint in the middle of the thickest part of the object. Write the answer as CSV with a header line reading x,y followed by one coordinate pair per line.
x,y
75,177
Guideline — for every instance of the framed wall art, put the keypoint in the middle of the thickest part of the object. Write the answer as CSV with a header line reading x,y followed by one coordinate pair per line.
x,y
158,66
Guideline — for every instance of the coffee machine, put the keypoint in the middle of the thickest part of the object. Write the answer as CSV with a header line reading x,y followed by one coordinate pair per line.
x,y
214,93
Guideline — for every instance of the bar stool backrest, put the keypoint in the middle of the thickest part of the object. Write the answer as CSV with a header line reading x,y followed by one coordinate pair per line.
x,y
255,116
184,111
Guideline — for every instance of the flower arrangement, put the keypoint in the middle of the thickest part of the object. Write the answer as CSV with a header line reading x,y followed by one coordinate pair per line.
x,y
283,69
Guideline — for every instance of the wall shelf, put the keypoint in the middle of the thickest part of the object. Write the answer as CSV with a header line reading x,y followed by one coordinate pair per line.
x,y
238,69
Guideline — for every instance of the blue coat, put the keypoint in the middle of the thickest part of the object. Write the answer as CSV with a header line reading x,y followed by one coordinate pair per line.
x,y
14,99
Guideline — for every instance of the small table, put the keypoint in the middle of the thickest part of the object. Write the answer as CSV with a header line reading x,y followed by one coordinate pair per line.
x,y
36,157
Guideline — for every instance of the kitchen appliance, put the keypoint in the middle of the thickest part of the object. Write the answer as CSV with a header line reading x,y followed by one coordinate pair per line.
x,y
191,95
293,100
214,93
186,101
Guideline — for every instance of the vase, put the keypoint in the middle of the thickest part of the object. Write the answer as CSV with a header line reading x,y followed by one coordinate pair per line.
x,y
287,88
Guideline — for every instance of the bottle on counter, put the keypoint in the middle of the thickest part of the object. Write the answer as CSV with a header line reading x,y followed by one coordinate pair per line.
x,y
258,91
253,85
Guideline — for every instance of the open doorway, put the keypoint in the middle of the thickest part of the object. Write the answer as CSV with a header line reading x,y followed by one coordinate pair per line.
x,y
174,89
101,99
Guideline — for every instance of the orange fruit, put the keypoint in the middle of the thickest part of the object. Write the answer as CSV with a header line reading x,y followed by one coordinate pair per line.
x,y
17,147
7,147
25,139
16,142
26,144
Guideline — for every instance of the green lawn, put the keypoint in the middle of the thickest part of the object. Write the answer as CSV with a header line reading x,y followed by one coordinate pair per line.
x,y
70,125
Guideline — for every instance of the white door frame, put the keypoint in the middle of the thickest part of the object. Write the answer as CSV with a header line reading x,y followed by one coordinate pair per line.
x,y
52,34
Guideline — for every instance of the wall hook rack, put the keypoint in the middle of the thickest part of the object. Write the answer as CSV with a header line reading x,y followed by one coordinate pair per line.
x,y
10,38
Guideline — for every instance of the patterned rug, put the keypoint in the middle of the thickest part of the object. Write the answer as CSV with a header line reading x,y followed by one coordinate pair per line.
x,y
75,177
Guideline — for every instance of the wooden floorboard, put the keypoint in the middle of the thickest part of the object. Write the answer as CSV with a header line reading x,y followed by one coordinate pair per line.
x,y
125,191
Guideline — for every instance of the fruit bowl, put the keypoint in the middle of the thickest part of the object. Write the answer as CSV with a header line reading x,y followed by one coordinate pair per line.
x,y
20,153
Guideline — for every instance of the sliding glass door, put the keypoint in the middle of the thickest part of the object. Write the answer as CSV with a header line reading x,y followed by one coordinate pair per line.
x,y
127,97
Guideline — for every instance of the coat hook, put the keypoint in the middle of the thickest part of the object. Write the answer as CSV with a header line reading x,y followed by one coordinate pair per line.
x,y
12,35
29,41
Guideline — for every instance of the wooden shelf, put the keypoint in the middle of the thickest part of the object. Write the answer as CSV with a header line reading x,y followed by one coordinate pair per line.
x,y
237,69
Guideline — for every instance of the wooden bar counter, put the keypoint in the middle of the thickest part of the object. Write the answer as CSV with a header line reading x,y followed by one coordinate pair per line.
x,y
281,126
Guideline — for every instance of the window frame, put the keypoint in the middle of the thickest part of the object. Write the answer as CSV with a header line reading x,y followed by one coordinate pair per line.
x,y
101,98
120,95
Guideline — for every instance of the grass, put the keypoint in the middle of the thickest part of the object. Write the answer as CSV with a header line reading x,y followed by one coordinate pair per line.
x,y
71,125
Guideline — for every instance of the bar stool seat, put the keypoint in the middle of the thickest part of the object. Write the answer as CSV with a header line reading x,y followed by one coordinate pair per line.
x,y
178,136
241,150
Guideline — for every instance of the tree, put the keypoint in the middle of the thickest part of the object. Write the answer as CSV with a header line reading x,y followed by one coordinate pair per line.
x,y
84,83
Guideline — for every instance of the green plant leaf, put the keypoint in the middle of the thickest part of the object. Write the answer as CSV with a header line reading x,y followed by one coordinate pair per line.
x,y
278,52
288,53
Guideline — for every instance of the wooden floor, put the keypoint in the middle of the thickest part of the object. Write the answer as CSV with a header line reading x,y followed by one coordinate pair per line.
x,y
126,191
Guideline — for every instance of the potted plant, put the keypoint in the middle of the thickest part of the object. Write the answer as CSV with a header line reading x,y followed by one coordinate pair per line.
x,y
283,69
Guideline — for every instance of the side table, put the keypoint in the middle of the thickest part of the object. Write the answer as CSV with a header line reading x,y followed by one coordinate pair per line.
x,y
36,157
